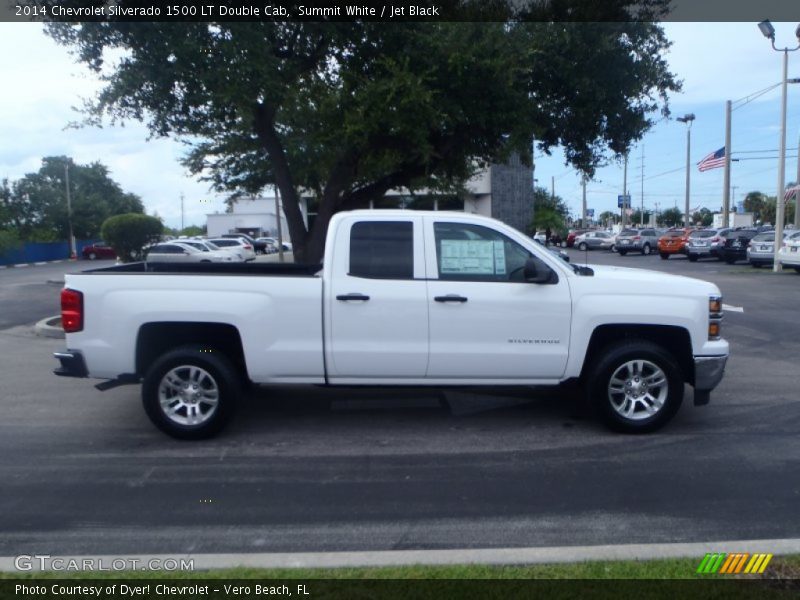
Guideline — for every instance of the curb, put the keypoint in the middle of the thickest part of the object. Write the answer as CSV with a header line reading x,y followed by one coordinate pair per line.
x,y
482,556
36,264
50,327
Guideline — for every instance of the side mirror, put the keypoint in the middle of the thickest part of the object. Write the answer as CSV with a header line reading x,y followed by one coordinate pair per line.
x,y
536,271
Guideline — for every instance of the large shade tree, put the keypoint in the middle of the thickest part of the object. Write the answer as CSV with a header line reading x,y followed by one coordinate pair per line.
x,y
343,112
36,207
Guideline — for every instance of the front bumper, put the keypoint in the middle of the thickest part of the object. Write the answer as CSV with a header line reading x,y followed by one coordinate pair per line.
x,y
708,371
72,364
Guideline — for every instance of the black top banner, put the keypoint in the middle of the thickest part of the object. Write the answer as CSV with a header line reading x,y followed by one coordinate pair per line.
x,y
399,10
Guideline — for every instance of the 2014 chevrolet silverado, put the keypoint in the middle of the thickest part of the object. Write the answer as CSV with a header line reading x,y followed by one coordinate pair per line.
x,y
402,298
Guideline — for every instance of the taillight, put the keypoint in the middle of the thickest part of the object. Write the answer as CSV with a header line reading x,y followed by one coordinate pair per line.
x,y
71,310
715,239
248,247
637,237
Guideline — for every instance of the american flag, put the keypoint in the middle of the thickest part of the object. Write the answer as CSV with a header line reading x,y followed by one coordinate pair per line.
x,y
713,160
790,192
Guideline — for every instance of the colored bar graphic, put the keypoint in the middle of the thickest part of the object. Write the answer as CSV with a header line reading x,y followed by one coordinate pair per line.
x,y
732,564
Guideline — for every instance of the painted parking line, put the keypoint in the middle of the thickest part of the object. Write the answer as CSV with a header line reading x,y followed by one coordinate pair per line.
x,y
730,308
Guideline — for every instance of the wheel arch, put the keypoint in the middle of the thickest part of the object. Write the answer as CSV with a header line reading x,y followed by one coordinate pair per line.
x,y
676,340
157,338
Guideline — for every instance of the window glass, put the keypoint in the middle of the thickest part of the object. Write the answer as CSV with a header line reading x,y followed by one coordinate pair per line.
x,y
382,250
469,252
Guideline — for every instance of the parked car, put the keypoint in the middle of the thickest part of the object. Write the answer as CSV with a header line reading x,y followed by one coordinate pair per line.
x,y
594,240
183,252
761,249
572,234
673,242
237,245
706,243
789,254
98,250
258,247
637,240
287,246
212,249
461,289
271,244
735,248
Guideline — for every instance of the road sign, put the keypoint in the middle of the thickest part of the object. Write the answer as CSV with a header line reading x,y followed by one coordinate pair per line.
x,y
623,201
590,212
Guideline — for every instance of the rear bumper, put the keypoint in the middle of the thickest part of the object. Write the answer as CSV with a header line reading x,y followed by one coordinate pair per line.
x,y
72,364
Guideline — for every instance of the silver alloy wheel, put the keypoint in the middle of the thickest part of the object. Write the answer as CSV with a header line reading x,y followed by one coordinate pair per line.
x,y
188,395
638,389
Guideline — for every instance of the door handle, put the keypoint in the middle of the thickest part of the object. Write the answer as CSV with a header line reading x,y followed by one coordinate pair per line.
x,y
450,298
347,297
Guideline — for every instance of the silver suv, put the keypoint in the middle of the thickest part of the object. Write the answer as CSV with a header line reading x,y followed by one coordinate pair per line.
x,y
637,240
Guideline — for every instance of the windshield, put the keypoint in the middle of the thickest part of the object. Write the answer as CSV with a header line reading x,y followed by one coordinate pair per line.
x,y
705,233
767,236
629,232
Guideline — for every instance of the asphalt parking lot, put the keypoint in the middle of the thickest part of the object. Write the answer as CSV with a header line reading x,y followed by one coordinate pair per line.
x,y
311,469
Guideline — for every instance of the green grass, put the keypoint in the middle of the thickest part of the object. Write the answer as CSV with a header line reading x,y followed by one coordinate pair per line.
x,y
683,568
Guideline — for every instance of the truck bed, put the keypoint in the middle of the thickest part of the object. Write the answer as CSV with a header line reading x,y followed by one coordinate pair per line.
x,y
260,269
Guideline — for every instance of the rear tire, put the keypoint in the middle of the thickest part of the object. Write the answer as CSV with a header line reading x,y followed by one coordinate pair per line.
x,y
664,255
92,256
730,261
693,257
797,269
623,252
582,247
191,392
645,249
755,265
636,385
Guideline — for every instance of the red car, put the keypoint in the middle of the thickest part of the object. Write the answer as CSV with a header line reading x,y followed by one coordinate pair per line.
x,y
674,242
98,250
573,234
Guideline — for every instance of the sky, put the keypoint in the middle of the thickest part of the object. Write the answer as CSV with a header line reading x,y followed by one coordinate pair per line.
x,y
716,62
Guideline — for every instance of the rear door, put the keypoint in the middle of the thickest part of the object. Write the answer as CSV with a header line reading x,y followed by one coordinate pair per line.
x,y
377,307
486,322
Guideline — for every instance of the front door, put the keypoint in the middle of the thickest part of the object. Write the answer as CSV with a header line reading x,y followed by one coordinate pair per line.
x,y
486,322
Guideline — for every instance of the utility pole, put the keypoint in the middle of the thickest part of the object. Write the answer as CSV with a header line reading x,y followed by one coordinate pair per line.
x,y
797,191
583,204
733,195
72,253
726,199
641,213
553,188
624,192
182,213
278,220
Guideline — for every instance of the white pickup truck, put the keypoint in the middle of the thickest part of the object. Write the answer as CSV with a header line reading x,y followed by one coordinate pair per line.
x,y
403,298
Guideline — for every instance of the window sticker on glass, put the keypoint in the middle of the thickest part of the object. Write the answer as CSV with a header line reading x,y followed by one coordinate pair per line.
x,y
474,257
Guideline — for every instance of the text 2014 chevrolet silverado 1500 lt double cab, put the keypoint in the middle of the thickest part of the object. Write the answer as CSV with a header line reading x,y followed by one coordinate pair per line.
x,y
403,298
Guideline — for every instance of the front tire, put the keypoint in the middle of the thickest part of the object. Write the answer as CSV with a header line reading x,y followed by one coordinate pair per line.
x,y
693,257
645,249
664,255
636,385
623,252
92,256
582,247
191,392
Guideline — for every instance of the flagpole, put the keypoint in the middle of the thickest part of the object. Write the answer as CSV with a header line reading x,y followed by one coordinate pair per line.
x,y
726,198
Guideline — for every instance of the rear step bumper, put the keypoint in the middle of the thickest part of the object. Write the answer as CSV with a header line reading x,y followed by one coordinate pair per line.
x,y
72,364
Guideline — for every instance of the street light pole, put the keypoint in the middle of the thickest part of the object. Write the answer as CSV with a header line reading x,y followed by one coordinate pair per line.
x,y
769,32
688,118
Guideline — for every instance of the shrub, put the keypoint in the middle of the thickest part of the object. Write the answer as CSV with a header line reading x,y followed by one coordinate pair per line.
x,y
127,234
8,241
